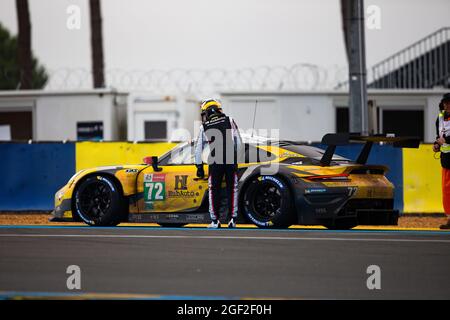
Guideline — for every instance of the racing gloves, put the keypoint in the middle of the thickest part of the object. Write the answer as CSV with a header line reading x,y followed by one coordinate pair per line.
x,y
200,171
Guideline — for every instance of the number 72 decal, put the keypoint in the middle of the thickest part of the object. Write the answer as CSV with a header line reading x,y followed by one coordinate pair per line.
x,y
154,187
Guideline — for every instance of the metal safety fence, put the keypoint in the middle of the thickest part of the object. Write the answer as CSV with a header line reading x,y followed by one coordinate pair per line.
x,y
301,76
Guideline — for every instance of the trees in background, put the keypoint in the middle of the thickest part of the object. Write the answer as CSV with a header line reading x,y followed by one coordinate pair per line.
x,y
24,58
97,44
20,70
12,75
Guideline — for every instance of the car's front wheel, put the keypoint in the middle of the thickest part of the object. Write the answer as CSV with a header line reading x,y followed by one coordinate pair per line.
x,y
267,203
99,202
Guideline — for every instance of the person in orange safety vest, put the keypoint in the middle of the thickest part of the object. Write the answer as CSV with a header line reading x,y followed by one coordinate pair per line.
x,y
442,144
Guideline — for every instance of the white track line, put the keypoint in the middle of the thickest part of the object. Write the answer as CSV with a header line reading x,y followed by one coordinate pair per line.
x,y
214,237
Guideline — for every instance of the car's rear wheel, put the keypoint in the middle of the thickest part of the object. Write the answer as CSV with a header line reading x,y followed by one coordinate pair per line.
x,y
99,202
267,203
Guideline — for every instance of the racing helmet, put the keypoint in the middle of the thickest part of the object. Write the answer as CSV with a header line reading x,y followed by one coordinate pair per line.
x,y
446,98
209,108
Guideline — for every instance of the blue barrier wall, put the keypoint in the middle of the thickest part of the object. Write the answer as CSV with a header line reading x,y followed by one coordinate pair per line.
x,y
32,173
382,155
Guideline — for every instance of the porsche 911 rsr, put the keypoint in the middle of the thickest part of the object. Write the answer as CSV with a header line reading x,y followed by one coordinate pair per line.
x,y
281,183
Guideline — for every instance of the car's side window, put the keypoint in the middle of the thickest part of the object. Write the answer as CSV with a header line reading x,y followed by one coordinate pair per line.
x,y
185,155
182,156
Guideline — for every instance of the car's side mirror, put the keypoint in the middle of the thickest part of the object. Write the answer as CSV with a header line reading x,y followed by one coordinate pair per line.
x,y
153,161
155,164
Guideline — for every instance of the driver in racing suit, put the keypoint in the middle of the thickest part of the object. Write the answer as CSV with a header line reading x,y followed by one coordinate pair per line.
x,y
221,133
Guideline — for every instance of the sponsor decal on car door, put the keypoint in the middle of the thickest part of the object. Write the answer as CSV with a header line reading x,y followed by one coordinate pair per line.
x,y
154,188
175,190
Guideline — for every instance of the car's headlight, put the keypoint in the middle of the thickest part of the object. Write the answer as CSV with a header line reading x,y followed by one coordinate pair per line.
x,y
59,195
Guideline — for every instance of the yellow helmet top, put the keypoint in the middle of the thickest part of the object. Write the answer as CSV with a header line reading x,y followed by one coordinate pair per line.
x,y
205,104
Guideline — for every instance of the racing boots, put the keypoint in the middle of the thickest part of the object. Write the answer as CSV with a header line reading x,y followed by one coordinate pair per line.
x,y
232,223
214,224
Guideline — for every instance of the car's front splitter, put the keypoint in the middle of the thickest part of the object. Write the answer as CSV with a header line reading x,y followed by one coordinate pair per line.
x,y
62,212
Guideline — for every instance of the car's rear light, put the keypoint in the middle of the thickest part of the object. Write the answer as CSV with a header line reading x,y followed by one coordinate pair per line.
x,y
330,177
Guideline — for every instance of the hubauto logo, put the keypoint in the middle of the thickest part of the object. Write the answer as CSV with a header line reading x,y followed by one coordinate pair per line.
x,y
181,188
181,182
181,194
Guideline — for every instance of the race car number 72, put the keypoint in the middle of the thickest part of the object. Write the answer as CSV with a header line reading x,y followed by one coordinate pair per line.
x,y
154,191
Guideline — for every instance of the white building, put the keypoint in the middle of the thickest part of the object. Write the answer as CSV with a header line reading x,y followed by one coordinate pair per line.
x,y
307,116
156,117
63,115
110,115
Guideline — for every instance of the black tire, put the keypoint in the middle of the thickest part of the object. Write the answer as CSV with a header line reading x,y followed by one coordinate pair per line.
x,y
341,224
99,202
172,225
267,202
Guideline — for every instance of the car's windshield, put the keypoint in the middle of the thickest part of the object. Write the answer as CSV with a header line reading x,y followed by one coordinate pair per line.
x,y
184,154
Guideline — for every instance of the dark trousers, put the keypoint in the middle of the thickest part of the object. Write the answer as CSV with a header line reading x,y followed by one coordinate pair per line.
x,y
216,174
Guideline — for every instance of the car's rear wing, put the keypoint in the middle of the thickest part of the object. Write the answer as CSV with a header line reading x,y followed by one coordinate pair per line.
x,y
338,139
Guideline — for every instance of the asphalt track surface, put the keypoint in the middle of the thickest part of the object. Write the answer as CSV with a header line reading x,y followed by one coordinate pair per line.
x,y
190,263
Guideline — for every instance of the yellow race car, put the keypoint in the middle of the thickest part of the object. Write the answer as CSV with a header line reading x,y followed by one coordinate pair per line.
x,y
280,183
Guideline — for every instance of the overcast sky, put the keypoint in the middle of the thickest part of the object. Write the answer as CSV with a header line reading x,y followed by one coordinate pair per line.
x,y
231,34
